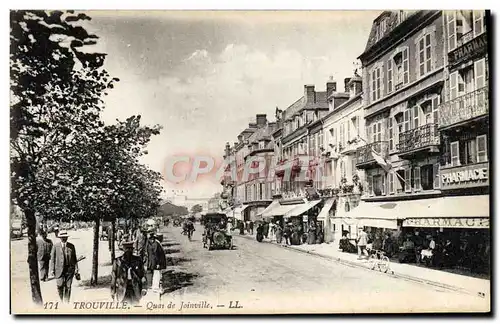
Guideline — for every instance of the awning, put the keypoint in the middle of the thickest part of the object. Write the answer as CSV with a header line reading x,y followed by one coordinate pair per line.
x,y
268,212
238,212
374,214
326,209
452,212
282,210
299,210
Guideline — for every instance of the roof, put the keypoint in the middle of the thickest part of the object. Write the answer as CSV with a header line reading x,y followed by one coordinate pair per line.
x,y
302,103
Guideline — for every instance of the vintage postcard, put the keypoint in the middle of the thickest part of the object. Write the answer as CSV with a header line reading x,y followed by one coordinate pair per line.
x,y
250,162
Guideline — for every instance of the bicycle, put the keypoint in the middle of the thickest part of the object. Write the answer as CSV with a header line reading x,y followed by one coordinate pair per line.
x,y
379,260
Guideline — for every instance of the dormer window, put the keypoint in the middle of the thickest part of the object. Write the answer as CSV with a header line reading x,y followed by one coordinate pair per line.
x,y
382,28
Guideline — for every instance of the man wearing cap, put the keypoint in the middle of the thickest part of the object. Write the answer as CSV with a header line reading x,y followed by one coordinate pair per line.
x,y
64,265
127,276
44,248
156,259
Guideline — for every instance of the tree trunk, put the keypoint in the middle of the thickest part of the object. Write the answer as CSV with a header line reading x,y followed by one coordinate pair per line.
x,y
112,238
95,254
36,293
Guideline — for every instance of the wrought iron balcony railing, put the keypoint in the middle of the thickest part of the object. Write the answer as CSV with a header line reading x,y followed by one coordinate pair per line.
x,y
419,137
364,153
468,106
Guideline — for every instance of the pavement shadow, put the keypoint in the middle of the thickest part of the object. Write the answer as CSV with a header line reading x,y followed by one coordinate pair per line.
x,y
171,251
168,244
173,280
102,282
173,261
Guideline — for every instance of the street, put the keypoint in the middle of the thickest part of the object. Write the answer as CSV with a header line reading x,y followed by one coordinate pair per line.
x,y
258,277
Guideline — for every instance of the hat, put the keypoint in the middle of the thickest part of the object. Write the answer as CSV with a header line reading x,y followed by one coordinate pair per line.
x,y
63,234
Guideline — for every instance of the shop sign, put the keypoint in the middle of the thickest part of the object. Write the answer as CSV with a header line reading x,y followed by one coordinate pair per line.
x,y
447,222
475,47
476,175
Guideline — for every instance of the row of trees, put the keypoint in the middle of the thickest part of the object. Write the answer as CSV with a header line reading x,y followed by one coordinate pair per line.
x,y
66,164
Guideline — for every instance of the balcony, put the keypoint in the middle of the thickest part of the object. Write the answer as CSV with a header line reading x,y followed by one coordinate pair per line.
x,y
364,156
280,170
421,139
472,105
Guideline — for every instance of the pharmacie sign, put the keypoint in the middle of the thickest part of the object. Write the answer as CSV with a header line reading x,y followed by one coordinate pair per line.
x,y
476,175
448,222
475,47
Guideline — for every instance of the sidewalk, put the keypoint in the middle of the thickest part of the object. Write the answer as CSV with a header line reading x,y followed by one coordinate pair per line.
x,y
455,282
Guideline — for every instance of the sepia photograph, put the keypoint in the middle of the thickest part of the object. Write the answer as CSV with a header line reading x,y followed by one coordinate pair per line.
x,y
244,162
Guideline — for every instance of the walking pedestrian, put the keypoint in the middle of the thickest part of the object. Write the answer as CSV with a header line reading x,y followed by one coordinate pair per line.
x,y
64,265
44,248
250,226
242,228
127,276
279,233
156,259
265,229
287,232
362,242
140,243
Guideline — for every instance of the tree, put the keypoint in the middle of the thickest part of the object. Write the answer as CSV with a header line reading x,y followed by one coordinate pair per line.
x,y
196,209
56,90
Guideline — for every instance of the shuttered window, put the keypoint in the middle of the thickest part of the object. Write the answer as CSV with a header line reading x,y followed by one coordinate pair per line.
x,y
479,73
455,156
389,76
482,151
416,179
408,180
478,22
452,30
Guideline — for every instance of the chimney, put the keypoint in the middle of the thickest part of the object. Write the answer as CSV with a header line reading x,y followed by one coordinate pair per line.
x,y
240,138
330,88
309,93
252,125
346,84
261,120
355,86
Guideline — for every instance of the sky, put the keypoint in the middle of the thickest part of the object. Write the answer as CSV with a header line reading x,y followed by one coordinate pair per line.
x,y
204,75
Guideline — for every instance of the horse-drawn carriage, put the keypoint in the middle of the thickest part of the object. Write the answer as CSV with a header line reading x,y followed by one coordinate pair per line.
x,y
215,235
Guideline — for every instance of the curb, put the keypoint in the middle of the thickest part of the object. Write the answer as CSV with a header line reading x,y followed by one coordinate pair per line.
x,y
393,274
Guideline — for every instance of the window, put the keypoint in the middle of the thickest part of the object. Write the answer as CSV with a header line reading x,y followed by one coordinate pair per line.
x,y
478,17
391,134
348,130
452,30
342,135
376,78
370,185
378,185
402,15
415,116
391,182
355,123
261,191
467,151
407,119
455,159
425,55
416,178
435,110
407,181
377,131
353,165
427,177
481,150
480,74
400,184
342,169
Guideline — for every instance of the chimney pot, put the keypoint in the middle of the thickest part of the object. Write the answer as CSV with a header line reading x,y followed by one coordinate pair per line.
x,y
346,84
309,93
261,120
331,87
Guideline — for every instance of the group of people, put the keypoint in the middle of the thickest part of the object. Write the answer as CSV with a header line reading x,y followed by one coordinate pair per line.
x,y
132,272
59,259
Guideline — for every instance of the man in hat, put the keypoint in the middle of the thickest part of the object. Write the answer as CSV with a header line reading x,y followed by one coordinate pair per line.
x,y
64,265
156,259
127,276
141,242
44,248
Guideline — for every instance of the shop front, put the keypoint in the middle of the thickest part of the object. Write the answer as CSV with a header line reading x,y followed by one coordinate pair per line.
x,y
304,220
459,229
326,219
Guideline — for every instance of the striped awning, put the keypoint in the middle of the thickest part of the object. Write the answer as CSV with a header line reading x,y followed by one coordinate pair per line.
x,y
299,210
